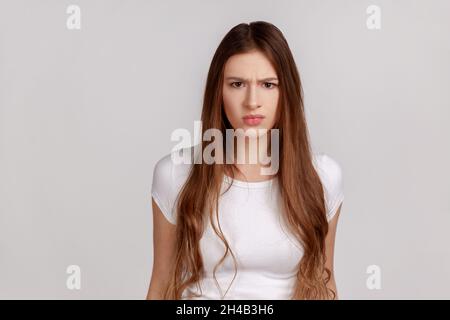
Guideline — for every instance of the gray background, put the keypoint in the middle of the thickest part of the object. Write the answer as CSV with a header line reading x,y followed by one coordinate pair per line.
x,y
85,114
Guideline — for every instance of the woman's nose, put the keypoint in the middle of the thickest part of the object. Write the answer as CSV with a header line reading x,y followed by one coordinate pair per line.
x,y
252,97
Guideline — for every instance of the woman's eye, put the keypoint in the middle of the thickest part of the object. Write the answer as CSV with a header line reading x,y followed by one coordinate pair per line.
x,y
269,85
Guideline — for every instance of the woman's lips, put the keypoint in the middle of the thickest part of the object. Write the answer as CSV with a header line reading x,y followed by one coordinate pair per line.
x,y
253,120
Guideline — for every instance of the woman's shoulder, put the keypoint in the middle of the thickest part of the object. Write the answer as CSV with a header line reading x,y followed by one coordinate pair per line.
x,y
327,165
169,174
173,165
331,175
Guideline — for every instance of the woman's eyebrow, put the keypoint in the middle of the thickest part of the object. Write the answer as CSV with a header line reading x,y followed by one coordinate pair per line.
x,y
260,80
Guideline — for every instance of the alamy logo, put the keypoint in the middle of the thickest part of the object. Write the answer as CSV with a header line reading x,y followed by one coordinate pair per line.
x,y
373,282
251,147
73,281
74,20
373,21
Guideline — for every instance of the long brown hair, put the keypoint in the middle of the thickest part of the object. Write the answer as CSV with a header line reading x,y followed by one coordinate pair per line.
x,y
301,190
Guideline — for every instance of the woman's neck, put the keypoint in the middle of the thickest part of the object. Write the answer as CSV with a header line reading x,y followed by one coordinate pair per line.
x,y
249,159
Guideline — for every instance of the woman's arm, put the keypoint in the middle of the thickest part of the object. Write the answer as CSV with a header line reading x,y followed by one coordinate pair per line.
x,y
329,249
164,240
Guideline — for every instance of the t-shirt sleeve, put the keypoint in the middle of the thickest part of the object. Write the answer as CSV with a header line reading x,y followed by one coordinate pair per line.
x,y
162,187
332,180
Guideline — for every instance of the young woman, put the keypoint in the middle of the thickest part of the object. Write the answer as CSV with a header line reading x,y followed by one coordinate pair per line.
x,y
226,231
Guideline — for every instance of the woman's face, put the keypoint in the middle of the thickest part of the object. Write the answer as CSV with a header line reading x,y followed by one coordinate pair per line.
x,y
250,87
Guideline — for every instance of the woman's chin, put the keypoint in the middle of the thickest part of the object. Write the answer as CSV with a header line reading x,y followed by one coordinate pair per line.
x,y
253,132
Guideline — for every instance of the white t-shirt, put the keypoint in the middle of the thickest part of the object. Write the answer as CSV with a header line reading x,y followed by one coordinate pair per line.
x,y
267,255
